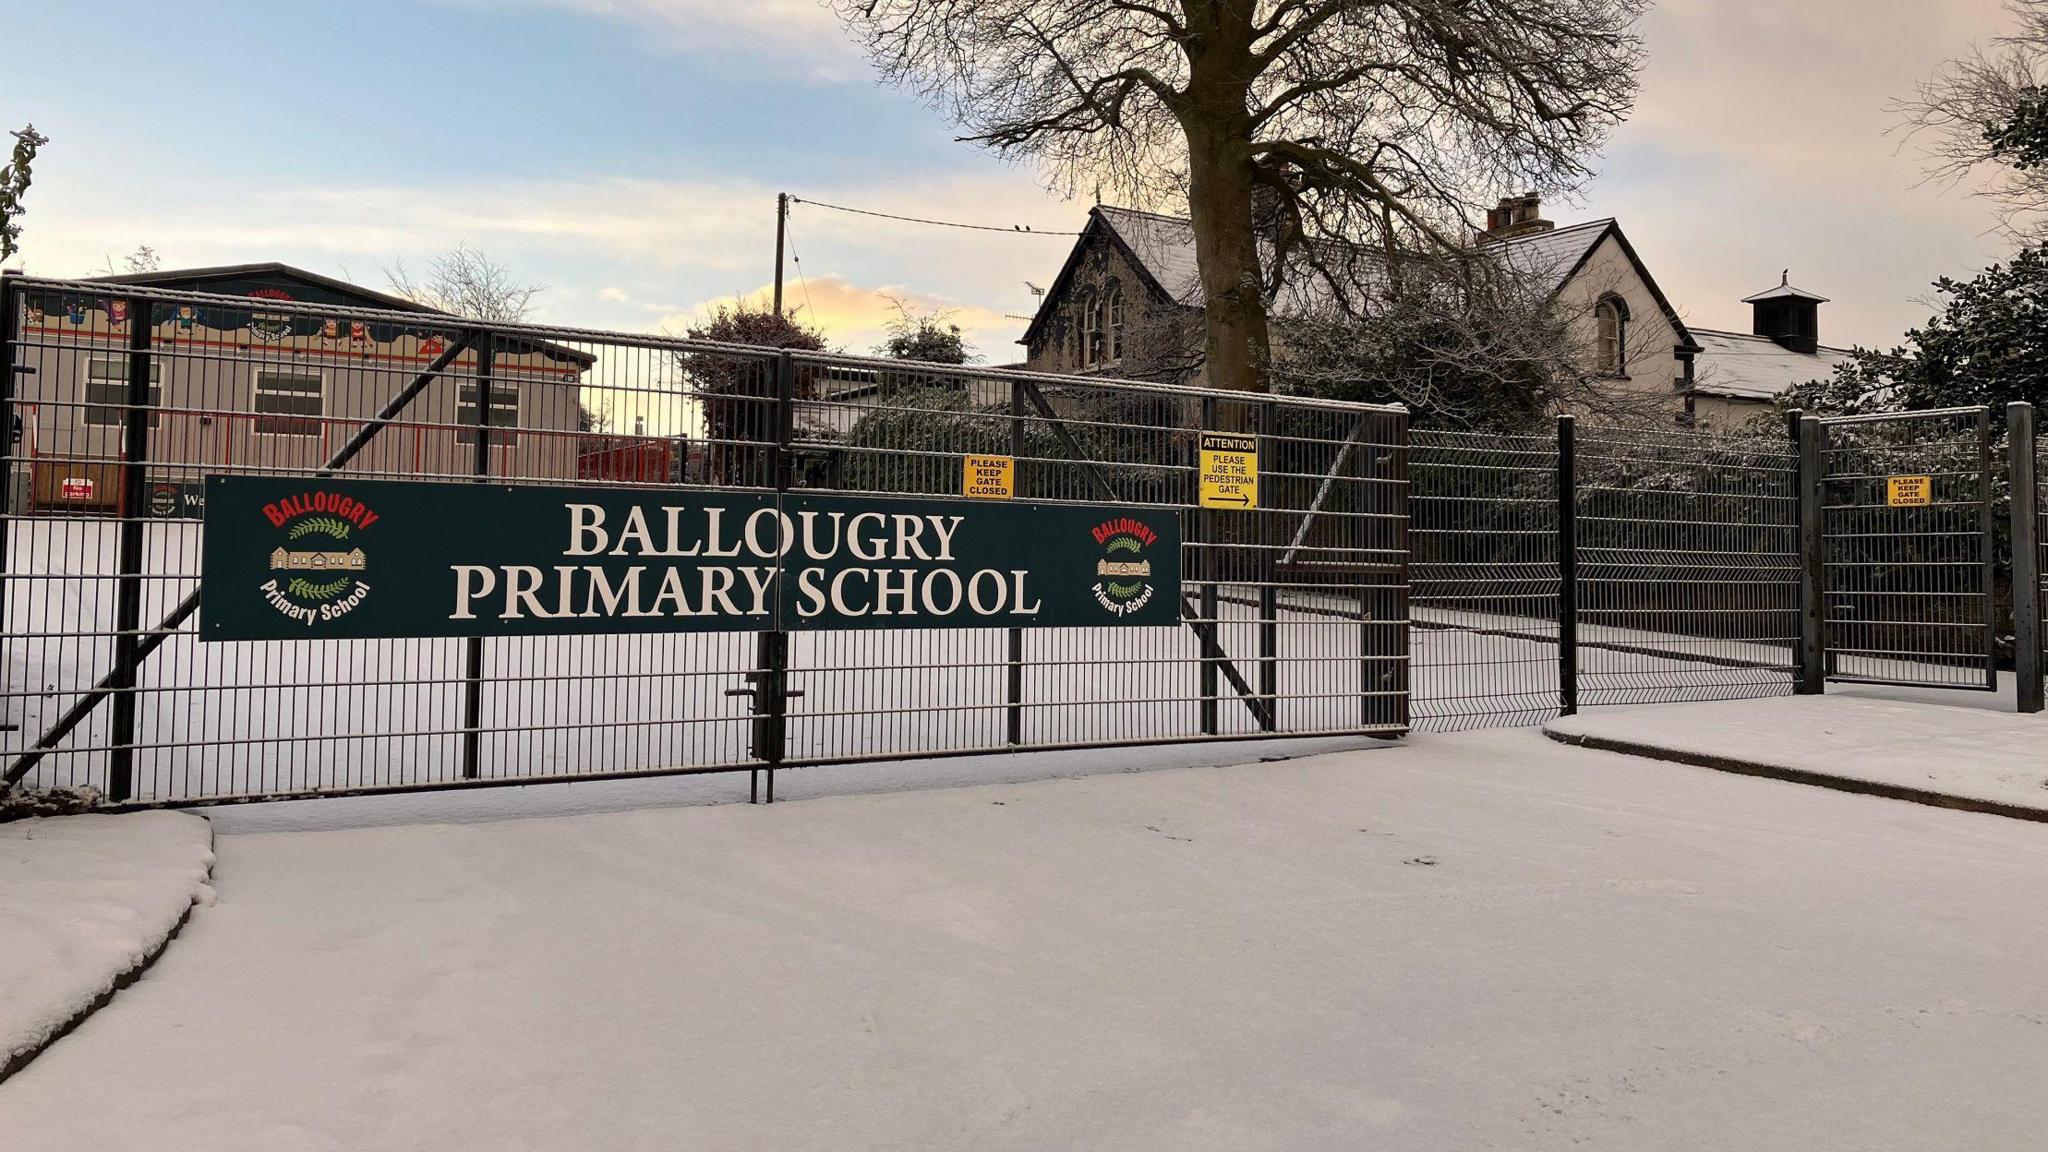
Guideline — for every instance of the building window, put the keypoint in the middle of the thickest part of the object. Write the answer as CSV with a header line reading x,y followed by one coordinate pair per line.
x,y
504,415
1115,308
289,403
1611,346
1091,330
106,392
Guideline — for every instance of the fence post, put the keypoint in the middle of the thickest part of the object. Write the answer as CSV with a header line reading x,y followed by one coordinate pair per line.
x,y
771,674
10,336
1205,522
1986,526
2026,557
473,650
1269,591
1802,656
1567,566
1013,643
1812,540
128,564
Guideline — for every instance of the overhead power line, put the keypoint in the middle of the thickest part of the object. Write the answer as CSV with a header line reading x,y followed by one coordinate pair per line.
x,y
1014,229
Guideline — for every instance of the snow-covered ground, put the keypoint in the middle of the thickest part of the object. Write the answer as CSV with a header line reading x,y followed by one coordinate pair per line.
x,y
1881,736
1487,940
84,900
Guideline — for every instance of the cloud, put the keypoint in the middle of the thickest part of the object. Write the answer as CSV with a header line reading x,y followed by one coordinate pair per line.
x,y
802,34
856,317
614,253
1762,141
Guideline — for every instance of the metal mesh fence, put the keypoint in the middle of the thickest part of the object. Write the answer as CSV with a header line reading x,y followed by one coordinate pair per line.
x,y
1386,579
2040,589
1908,562
1485,594
1688,567
1294,617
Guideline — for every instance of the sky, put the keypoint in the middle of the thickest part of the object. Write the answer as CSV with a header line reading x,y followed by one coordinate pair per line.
x,y
626,154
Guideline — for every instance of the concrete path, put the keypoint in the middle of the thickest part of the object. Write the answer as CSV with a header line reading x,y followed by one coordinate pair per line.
x,y
1952,752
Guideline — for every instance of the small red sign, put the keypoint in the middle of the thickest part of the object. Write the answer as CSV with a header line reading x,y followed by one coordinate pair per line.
x,y
77,488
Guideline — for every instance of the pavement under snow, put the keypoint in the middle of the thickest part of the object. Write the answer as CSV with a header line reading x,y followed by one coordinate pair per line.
x,y
85,900
1945,749
1480,941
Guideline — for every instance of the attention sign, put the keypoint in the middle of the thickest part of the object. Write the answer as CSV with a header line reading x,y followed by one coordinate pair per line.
x,y
988,478
1229,471
286,558
1909,491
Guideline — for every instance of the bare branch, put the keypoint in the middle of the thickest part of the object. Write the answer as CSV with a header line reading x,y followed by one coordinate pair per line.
x,y
466,282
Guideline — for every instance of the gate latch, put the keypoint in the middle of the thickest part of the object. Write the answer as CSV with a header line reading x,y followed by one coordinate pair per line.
x,y
755,692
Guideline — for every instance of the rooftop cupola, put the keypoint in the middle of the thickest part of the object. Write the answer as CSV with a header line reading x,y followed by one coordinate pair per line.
x,y
1790,316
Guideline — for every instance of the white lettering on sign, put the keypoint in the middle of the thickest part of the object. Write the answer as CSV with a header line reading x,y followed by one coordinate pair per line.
x,y
526,591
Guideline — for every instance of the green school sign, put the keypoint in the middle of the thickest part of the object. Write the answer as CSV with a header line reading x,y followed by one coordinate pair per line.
x,y
291,558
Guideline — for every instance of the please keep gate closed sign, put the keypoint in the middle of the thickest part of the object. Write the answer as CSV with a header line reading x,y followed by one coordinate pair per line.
x,y
1909,491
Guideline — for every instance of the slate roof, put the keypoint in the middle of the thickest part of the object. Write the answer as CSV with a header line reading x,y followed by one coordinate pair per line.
x,y
1163,248
1551,257
1745,367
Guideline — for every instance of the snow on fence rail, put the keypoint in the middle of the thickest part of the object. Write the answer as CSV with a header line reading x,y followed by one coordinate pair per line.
x,y
1387,581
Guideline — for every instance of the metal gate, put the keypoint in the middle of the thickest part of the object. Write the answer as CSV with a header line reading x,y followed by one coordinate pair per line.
x,y
1907,557
1293,623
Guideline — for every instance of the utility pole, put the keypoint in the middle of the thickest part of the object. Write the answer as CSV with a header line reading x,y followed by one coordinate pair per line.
x,y
781,228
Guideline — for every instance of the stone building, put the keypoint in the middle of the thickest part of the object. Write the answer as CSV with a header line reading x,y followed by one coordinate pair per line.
x,y
1128,301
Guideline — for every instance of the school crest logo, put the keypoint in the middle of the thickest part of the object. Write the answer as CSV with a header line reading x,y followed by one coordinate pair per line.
x,y
1123,573
318,563
270,325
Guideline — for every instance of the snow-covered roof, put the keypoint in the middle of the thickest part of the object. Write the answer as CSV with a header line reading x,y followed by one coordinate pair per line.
x,y
1164,246
1755,367
1165,249
1785,291
1552,256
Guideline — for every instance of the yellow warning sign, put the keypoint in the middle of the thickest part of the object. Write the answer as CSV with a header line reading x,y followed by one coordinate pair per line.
x,y
1909,491
1229,470
988,478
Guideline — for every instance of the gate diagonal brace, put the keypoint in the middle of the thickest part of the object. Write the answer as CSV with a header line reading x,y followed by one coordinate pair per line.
x,y
154,638
1205,630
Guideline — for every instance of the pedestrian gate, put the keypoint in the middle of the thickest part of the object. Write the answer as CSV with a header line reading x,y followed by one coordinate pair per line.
x,y
1907,557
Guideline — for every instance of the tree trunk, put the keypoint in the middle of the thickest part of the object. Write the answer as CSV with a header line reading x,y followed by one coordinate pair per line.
x,y
1217,121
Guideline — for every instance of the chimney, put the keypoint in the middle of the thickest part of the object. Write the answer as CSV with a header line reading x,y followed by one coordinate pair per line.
x,y
1787,315
1516,216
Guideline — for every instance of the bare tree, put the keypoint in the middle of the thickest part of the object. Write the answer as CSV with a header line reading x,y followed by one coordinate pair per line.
x,y
143,259
466,282
1468,343
1284,125
1957,115
14,182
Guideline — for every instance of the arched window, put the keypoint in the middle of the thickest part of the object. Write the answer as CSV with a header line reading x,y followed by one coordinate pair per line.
x,y
1115,308
1091,330
1610,349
